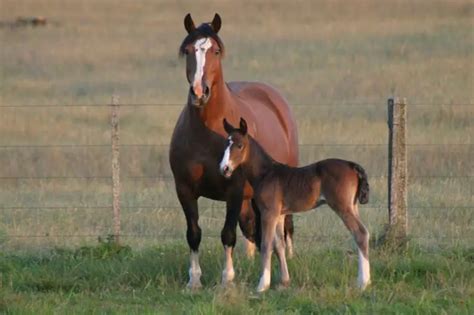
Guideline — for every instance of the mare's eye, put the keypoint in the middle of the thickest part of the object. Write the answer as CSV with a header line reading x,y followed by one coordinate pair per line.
x,y
217,52
240,146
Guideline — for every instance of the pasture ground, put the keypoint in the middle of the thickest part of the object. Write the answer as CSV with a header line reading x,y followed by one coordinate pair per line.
x,y
106,279
335,61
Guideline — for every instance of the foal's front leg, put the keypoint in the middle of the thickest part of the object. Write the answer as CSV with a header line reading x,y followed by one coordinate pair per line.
x,y
268,222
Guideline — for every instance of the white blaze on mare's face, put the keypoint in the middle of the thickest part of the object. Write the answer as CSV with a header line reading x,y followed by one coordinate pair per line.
x,y
201,47
225,160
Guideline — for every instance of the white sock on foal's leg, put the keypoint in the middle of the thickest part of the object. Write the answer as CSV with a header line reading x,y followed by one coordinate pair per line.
x,y
363,278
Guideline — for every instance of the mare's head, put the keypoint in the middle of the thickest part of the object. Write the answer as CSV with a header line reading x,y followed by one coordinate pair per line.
x,y
203,50
237,151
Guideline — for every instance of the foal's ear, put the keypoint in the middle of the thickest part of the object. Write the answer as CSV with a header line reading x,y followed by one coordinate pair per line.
x,y
243,126
216,23
188,23
228,127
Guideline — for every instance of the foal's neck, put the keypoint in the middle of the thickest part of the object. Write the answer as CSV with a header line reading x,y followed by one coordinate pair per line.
x,y
258,164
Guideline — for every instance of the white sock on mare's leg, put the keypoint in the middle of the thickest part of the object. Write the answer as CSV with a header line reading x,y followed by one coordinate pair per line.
x,y
228,273
250,248
289,245
194,271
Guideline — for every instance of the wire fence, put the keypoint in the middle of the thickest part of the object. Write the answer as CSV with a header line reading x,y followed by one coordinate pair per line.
x,y
169,179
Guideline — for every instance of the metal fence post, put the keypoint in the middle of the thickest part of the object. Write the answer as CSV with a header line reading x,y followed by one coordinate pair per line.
x,y
115,109
397,169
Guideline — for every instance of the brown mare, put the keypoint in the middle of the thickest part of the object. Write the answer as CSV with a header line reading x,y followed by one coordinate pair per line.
x,y
280,190
199,140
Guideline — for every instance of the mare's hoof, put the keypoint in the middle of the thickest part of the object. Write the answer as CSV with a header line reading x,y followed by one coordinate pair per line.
x,y
228,285
194,285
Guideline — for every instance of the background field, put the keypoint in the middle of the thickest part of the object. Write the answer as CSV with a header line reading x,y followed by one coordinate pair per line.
x,y
336,62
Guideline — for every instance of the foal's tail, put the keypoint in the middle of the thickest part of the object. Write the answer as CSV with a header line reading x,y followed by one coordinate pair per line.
x,y
363,188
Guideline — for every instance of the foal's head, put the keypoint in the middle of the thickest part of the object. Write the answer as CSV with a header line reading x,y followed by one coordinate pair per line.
x,y
203,50
237,150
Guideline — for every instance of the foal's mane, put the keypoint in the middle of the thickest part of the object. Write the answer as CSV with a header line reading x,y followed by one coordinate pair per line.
x,y
299,179
204,30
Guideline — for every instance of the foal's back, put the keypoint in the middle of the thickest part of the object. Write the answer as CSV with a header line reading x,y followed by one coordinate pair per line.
x,y
331,181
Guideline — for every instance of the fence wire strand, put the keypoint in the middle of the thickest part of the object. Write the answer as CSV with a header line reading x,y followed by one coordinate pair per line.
x,y
359,105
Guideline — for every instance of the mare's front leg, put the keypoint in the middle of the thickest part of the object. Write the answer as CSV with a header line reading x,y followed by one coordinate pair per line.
x,y
193,234
248,227
228,234
269,221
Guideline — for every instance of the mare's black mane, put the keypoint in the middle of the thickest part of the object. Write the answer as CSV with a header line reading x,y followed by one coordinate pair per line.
x,y
204,30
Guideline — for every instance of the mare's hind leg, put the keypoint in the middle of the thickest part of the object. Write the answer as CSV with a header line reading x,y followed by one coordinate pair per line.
x,y
248,227
289,231
280,250
193,234
361,236
268,224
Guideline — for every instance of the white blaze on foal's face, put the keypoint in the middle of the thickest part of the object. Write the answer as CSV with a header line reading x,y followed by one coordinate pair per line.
x,y
226,166
201,47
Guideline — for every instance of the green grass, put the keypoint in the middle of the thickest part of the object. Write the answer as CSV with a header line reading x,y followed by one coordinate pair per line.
x,y
110,279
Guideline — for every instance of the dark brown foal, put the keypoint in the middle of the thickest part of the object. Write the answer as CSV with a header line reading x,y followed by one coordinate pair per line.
x,y
280,190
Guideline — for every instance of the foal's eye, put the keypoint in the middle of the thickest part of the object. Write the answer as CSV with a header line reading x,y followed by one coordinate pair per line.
x,y
217,52
240,146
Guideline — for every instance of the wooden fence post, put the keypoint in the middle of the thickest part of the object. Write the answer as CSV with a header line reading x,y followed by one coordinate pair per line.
x,y
115,109
397,170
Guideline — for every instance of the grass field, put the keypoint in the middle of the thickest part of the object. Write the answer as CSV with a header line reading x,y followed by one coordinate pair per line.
x,y
335,61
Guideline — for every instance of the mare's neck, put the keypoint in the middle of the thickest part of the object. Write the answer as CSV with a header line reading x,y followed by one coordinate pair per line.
x,y
218,107
258,164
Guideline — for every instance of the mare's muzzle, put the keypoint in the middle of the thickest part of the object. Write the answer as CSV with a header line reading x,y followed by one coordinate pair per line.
x,y
199,101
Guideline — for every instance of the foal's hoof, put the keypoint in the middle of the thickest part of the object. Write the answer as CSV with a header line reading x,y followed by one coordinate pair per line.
x,y
262,288
363,285
283,285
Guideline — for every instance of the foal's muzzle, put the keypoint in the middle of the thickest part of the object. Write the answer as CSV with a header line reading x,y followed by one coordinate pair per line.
x,y
199,101
226,171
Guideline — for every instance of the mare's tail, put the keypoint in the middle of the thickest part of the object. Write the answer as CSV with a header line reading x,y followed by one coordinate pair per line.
x,y
363,188
258,225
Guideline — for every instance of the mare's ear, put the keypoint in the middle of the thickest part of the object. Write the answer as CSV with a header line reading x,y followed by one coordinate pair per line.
x,y
243,126
227,127
216,23
188,23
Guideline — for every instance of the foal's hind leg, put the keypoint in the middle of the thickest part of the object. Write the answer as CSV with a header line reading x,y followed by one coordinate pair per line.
x,y
361,236
280,250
